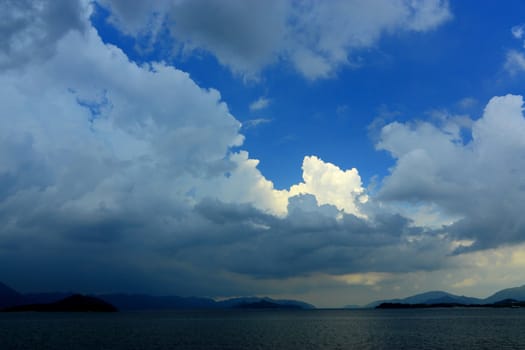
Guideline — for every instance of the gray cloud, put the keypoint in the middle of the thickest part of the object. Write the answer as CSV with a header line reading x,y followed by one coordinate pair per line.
x,y
311,239
97,157
244,35
317,37
29,30
212,241
476,182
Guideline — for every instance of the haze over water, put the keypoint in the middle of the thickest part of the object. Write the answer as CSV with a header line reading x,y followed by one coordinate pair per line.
x,y
268,329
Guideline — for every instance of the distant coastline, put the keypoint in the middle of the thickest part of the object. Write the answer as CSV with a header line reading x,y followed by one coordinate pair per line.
x,y
510,297
507,303
11,300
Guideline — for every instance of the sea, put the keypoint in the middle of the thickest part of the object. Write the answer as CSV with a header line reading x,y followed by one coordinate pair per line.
x,y
453,328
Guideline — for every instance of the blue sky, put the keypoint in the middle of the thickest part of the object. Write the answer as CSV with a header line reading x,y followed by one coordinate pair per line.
x,y
336,152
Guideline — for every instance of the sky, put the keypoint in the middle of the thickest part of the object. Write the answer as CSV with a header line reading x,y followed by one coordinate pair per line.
x,y
336,152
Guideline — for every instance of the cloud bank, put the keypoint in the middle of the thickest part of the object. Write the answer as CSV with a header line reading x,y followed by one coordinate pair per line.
x,y
129,175
118,176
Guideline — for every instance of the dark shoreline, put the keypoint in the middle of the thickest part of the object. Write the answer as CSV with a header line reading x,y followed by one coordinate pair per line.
x,y
508,303
74,303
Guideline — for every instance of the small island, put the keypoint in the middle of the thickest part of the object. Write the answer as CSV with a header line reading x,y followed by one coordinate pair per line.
x,y
73,303
265,304
506,303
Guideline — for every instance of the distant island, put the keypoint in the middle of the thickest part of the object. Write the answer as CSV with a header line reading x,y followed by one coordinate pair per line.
x,y
500,304
73,303
265,304
509,297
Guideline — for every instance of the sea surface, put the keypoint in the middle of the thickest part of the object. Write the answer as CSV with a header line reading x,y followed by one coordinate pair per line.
x,y
267,329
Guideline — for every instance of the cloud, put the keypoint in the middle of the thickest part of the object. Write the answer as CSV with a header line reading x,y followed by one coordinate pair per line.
x,y
101,156
514,62
253,123
467,282
477,181
243,184
311,239
117,176
467,103
31,29
326,34
125,175
316,37
427,15
260,103
518,31
331,185
133,16
243,35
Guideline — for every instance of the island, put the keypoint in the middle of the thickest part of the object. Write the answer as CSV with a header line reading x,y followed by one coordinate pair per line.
x,y
73,303
500,304
265,304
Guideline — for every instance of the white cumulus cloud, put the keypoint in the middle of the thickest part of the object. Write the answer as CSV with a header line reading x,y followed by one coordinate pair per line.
x,y
331,185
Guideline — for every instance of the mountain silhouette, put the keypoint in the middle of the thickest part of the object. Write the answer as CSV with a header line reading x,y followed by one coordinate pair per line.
x,y
433,297
504,296
149,302
265,304
235,302
122,301
9,296
516,293
73,303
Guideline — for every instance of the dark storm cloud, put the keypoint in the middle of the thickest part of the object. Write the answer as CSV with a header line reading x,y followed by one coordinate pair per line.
x,y
211,238
123,249
308,241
